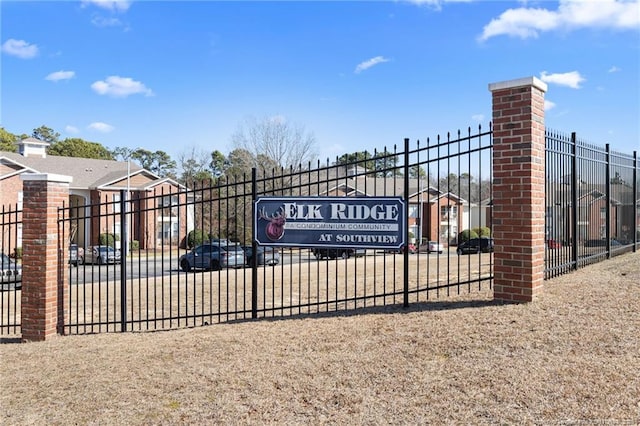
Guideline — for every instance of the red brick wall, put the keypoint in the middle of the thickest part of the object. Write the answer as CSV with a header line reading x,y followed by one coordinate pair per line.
x,y
9,189
44,274
518,189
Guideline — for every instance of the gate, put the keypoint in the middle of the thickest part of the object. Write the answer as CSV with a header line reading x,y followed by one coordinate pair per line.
x,y
143,286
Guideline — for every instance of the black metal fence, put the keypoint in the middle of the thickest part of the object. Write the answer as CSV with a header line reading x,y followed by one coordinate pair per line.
x,y
149,288
592,198
10,272
445,182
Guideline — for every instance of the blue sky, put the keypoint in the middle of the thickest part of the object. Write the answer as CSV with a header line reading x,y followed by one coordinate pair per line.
x,y
177,76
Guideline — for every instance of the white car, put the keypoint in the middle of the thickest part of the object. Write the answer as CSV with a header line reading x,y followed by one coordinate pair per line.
x,y
433,246
10,273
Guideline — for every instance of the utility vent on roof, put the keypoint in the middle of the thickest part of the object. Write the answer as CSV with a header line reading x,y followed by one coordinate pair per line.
x,y
356,171
32,147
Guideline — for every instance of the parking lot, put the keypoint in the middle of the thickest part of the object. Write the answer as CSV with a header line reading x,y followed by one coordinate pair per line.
x,y
167,263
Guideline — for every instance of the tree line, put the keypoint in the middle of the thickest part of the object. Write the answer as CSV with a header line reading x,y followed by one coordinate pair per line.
x,y
268,144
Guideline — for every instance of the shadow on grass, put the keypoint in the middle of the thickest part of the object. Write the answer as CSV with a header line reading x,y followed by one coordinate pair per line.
x,y
380,310
391,309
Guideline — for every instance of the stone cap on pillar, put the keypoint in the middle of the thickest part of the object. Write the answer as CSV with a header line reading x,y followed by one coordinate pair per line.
x,y
46,177
520,82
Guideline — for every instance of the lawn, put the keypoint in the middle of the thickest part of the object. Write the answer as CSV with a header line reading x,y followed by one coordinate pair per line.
x,y
572,357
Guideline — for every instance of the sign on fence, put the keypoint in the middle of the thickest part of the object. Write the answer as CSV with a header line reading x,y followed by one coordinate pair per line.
x,y
360,222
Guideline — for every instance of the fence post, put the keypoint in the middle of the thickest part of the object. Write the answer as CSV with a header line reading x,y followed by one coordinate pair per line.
x,y
574,202
405,274
254,244
44,257
518,188
636,224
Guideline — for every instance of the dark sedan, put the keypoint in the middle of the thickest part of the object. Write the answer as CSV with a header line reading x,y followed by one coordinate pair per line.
x,y
476,245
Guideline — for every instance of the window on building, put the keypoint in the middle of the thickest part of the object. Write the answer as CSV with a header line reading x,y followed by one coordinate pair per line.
x,y
448,212
168,230
413,211
116,202
169,200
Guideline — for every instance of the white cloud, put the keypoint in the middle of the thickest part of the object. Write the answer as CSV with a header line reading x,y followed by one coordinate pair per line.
x,y
548,105
71,129
20,48
478,118
570,79
370,63
60,75
614,69
571,14
100,127
102,22
113,5
120,87
436,4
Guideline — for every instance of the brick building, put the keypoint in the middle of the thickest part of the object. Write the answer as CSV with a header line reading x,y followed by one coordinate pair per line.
x,y
96,189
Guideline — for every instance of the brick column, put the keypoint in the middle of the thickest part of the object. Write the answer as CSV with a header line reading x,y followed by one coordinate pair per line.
x,y
518,188
44,261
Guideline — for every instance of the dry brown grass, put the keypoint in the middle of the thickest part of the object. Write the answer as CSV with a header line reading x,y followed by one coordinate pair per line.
x,y
572,357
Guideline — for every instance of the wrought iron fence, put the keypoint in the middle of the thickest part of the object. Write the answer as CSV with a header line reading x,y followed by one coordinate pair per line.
x,y
142,283
592,203
10,271
157,282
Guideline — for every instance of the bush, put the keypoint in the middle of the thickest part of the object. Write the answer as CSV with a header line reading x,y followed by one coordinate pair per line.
x,y
134,245
17,253
466,235
107,239
197,237
483,232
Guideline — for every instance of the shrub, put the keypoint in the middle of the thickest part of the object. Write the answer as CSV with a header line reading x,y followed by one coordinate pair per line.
x,y
483,232
107,239
18,252
466,235
197,237
134,245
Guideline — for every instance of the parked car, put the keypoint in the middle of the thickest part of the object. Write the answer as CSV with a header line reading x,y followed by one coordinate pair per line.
x,y
554,244
332,253
76,255
266,255
412,249
10,273
592,247
432,247
213,257
102,255
476,245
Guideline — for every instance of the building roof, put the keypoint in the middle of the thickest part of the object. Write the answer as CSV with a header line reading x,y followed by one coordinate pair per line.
x,y
86,172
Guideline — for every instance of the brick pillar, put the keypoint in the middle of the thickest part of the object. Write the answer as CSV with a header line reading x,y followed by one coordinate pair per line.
x,y
518,188
44,273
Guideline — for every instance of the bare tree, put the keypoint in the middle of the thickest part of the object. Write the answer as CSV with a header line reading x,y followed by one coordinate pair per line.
x,y
194,166
283,143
